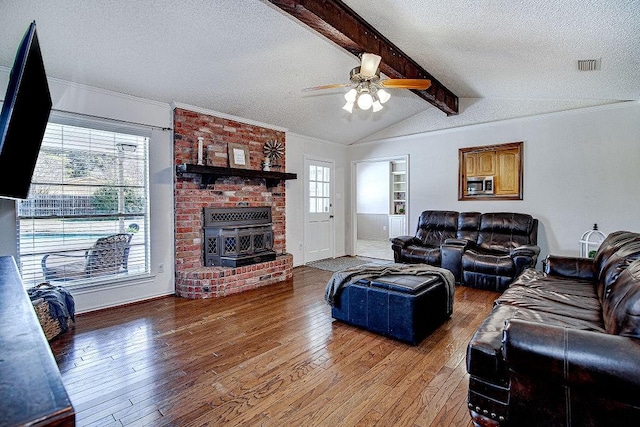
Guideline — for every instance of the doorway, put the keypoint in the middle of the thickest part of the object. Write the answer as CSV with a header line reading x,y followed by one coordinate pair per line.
x,y
318,210
380,205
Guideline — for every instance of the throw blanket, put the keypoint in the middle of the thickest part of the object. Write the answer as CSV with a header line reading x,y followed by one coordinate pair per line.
x,y
368,271
61,303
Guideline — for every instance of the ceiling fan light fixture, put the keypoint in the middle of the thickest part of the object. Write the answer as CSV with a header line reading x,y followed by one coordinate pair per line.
x,y
383,95
351,95
369,64
365,101
376,106
348,107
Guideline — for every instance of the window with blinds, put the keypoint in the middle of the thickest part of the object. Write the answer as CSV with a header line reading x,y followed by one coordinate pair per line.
x,y
86,219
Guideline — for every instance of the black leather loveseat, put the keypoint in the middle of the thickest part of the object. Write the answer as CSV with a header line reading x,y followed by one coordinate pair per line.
x,y
485,251
562,347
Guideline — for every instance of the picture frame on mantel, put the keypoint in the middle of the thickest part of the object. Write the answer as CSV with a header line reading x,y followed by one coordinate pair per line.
x,y
238,156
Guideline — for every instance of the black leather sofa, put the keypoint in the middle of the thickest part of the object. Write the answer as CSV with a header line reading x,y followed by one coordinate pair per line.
x,y
485,251
561,347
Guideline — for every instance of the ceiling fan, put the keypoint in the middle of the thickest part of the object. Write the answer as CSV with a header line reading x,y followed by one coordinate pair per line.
x,y
367,90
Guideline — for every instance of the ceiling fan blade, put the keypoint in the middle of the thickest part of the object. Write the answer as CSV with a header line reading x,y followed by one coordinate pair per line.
x,y
369,64
420,84
326,87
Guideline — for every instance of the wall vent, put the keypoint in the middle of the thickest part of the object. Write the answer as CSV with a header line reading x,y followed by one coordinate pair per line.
x,y
588,64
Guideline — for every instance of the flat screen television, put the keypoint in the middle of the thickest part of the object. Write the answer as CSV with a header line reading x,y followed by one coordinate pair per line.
x,y
25,112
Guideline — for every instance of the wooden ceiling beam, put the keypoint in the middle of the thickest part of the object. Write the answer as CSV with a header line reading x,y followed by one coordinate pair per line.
x,y
340,24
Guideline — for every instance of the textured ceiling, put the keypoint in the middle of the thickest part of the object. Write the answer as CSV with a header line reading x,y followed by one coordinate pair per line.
x,y
504,59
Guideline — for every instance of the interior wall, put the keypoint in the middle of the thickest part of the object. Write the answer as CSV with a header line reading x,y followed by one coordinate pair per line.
x,y
75,98
372,188
580,168
300,147
372,200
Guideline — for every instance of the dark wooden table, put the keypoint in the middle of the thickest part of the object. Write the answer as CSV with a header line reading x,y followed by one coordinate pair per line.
x,y
31,389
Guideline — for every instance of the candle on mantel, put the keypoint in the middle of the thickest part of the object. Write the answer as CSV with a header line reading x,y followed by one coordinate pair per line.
x,y
200,150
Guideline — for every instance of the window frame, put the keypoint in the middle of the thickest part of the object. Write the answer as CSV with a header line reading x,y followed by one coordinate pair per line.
x,y
143,266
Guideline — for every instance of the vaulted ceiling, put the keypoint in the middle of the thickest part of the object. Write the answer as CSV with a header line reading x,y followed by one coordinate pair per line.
x,y
250,58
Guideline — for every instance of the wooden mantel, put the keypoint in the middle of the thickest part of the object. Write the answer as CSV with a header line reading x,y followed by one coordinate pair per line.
x,y
211,173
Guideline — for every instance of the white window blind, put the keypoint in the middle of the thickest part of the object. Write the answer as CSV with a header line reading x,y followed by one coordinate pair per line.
x,y
86,219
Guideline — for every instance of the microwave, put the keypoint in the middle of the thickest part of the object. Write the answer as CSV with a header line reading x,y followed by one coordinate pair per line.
x,y
479,185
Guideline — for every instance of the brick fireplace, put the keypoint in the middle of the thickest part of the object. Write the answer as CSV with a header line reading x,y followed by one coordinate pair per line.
x,y
193,278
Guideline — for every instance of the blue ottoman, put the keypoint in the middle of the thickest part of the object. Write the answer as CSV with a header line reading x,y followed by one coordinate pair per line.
x,y
404,307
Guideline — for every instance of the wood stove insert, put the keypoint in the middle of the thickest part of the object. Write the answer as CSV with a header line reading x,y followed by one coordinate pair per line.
x,y
238,236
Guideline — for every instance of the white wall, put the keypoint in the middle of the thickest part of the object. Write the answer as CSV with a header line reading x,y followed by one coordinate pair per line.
x,y
300,147
372,188
99,103
580,167
372,200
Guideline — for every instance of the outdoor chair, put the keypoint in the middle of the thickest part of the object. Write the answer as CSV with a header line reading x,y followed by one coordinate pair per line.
x,y
109,255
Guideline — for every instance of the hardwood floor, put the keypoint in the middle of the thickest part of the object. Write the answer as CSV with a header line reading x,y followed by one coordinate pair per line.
x,y
272,357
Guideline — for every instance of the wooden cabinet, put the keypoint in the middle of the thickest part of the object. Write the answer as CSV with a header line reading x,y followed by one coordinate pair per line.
x,y
506,181
502,162
486,163
480,163
470,161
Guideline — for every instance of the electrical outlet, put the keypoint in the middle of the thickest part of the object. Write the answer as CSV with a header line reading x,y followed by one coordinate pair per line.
x,y
384,227
161,268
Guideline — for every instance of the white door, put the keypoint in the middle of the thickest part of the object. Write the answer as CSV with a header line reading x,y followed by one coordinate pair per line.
x,y
318,232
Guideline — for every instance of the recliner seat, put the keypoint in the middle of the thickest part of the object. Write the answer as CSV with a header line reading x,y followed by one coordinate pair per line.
x,y
434,227
505,246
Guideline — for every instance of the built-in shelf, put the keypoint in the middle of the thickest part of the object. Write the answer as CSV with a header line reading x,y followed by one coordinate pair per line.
x,y
211,173
398,189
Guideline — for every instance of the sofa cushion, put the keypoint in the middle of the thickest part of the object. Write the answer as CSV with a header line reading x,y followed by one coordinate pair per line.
x,y
536,279
415,254
487,269
610,245
468,225
615,264
490,262
584,308
538,291
434,227
506,230
621,307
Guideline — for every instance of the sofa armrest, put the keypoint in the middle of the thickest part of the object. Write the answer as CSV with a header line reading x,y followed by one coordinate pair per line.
x,y
451,252
403,241
570,267
531,251
456,242
525,256
605,364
